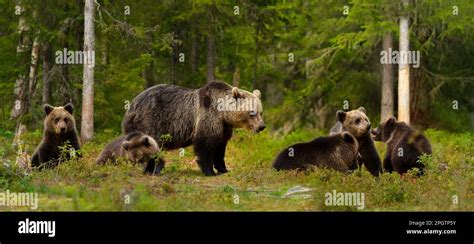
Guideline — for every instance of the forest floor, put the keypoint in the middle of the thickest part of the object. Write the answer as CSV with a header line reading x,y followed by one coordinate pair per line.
x,y
251,184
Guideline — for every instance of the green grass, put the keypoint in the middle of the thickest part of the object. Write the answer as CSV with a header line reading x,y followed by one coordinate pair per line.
x,y
251,184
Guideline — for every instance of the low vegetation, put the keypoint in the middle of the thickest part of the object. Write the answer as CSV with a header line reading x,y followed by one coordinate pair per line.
x,y
251,184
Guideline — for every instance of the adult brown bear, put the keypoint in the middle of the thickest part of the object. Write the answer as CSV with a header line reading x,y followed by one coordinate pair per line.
x,y
201,117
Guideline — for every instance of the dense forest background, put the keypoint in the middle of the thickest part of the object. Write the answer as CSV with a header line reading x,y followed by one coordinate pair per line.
x,y
309,58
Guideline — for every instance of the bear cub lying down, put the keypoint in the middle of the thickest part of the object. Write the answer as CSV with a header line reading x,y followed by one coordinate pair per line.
x,y
137,148
338,151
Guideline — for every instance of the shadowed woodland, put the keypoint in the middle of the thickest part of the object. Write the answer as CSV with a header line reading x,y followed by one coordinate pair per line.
x,y
308,59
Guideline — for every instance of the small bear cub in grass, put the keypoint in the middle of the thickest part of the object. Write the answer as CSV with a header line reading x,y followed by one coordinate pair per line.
x,y
404,146
338,151
60,140
136,147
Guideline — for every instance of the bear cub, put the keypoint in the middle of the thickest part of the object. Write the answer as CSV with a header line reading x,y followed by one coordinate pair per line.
x,y
59,131
358,124
404,146
137,148
337,152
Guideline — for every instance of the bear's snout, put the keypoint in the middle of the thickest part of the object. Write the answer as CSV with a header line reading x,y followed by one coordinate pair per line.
x,y
376,135
261,127
63,130
374,131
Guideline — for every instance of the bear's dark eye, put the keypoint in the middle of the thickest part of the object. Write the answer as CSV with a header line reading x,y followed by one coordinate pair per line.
x,y
253,113
357,121
56,120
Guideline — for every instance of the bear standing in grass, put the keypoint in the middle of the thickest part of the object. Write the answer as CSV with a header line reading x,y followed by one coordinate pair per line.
x,y
337,152
357,123
59,131
201,117
136,147
404,146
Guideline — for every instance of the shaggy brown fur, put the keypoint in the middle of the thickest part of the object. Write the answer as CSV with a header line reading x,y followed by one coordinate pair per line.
x,y
358,124
404,146
201,117
59,128
137,148
337,152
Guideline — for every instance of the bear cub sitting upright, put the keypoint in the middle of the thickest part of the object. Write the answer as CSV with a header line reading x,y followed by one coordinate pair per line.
x,y
404,146
59,131
137,148
357,123
337,152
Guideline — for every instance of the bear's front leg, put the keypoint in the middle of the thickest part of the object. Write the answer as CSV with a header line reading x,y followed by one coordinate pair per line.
x,y
387,163
219,155
44,156
154,166
205,150
35,160
219,162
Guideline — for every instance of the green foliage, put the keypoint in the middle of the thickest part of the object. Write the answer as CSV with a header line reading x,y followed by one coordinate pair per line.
x,y
335,45
336,59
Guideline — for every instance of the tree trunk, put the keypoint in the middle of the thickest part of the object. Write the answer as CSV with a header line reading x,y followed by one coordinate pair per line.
x,y
47,65
35,52
149,75
173,61
65,91
87,123
210,50
404,70
194,61
20,106
255,58
387,82
105,50
236,78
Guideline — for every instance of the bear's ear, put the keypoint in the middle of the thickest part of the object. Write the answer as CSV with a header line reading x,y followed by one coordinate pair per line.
x,y
48,108
391,121
126,145
69,107
236,92
257,93
144,141
362,109
341,115
347,137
